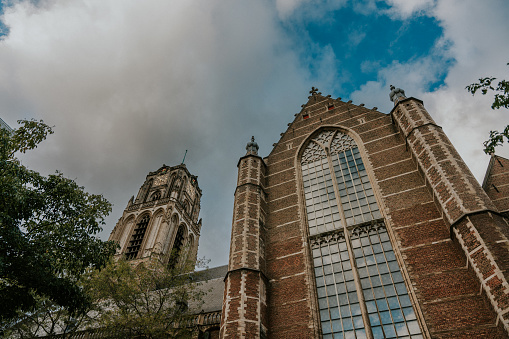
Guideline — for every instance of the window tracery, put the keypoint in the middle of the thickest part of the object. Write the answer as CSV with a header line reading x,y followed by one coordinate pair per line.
x,y
360,289
155,196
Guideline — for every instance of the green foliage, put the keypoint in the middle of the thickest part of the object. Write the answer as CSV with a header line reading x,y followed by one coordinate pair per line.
x,y
47,228
47,319
145,302
501,100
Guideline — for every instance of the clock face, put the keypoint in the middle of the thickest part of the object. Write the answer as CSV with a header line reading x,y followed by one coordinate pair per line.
x,y
161,180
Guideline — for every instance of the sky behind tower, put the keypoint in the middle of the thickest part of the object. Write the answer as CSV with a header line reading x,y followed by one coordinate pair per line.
x,y
130,85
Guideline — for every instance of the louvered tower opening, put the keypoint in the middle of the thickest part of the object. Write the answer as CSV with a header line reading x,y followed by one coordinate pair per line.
x,y
137,238
177,248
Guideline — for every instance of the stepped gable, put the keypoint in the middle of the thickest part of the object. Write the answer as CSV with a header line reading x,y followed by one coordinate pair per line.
x,y
320,110
496,183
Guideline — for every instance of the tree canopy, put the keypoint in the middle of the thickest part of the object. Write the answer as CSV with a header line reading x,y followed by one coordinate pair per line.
x,y
150,300
47,230
501,100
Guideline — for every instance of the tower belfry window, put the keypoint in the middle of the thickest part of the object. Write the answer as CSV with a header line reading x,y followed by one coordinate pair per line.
x,y
155,196
177,248
137,238
360,288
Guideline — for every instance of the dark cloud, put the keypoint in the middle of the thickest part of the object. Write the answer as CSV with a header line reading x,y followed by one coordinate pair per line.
x,y
131,85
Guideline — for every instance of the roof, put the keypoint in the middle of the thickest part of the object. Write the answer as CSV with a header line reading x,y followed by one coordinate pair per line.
x,y
213,287
4,125
489,170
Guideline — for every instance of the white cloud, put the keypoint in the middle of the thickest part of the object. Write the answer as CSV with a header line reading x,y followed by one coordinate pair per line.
x,y
473,40
131,85
286,8
307,10
404,9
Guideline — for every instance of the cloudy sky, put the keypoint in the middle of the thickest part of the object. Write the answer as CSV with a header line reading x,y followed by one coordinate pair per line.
x,y
130,85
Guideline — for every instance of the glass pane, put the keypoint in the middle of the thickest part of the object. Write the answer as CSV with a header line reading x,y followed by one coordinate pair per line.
x,y
385,294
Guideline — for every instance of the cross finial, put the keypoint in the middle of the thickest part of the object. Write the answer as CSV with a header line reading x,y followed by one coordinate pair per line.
x,y
314,90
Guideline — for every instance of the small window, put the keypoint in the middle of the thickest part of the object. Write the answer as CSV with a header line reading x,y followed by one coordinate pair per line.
x,y
305,116
330,107
155,196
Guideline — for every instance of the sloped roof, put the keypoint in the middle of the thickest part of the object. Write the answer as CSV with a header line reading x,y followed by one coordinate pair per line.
x,y
214,287
490,170
318,105
4,125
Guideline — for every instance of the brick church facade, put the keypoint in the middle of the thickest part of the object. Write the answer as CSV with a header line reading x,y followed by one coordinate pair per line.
x,y
361,224
358,224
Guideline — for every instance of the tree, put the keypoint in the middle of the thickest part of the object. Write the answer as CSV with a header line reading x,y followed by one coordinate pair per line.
x,y
146,301
501,100
47,319
47,231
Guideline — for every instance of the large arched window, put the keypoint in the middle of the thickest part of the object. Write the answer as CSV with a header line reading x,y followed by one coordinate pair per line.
x,y
177,248
360,289
137,238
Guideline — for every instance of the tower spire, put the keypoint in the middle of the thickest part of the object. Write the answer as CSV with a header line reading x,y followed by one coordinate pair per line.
x,y
184,158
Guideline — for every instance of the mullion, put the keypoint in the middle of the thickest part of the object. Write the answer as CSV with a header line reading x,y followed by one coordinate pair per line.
x,y
354,190
393,302
397,295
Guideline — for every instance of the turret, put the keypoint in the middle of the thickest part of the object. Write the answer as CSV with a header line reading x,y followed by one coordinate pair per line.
x,y
244,312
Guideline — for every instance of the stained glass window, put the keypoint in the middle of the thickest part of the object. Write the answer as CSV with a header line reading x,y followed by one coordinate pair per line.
x,y
360,288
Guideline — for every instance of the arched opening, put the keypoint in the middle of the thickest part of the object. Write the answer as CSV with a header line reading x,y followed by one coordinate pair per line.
x,y
137,238
360,289
178,245
187,207
148,187
155,196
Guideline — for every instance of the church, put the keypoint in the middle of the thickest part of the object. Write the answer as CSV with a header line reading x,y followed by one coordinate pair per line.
x,y
358,224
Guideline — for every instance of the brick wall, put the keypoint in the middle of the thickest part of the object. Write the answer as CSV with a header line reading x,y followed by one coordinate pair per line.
x,y
481,232
416,175
244,313
496,183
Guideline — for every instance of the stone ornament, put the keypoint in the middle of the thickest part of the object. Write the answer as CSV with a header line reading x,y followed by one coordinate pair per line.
x,y
336,141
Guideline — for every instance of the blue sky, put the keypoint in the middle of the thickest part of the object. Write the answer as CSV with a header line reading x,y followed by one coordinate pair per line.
x,y
364,42
130,85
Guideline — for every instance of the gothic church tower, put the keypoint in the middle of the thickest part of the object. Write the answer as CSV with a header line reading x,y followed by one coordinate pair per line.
x,y
162,222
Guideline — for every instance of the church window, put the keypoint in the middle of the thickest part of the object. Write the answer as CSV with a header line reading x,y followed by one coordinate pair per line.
x,y
360,288
177,248
148,187
137,238
187,207
156,196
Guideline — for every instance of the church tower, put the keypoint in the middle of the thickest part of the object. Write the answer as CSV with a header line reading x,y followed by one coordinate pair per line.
x,y
361,224
162,222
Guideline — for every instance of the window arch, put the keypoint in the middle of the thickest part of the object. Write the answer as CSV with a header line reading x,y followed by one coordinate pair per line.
x,y
360,289
148,187
137,238
155,196
187,206
178,244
